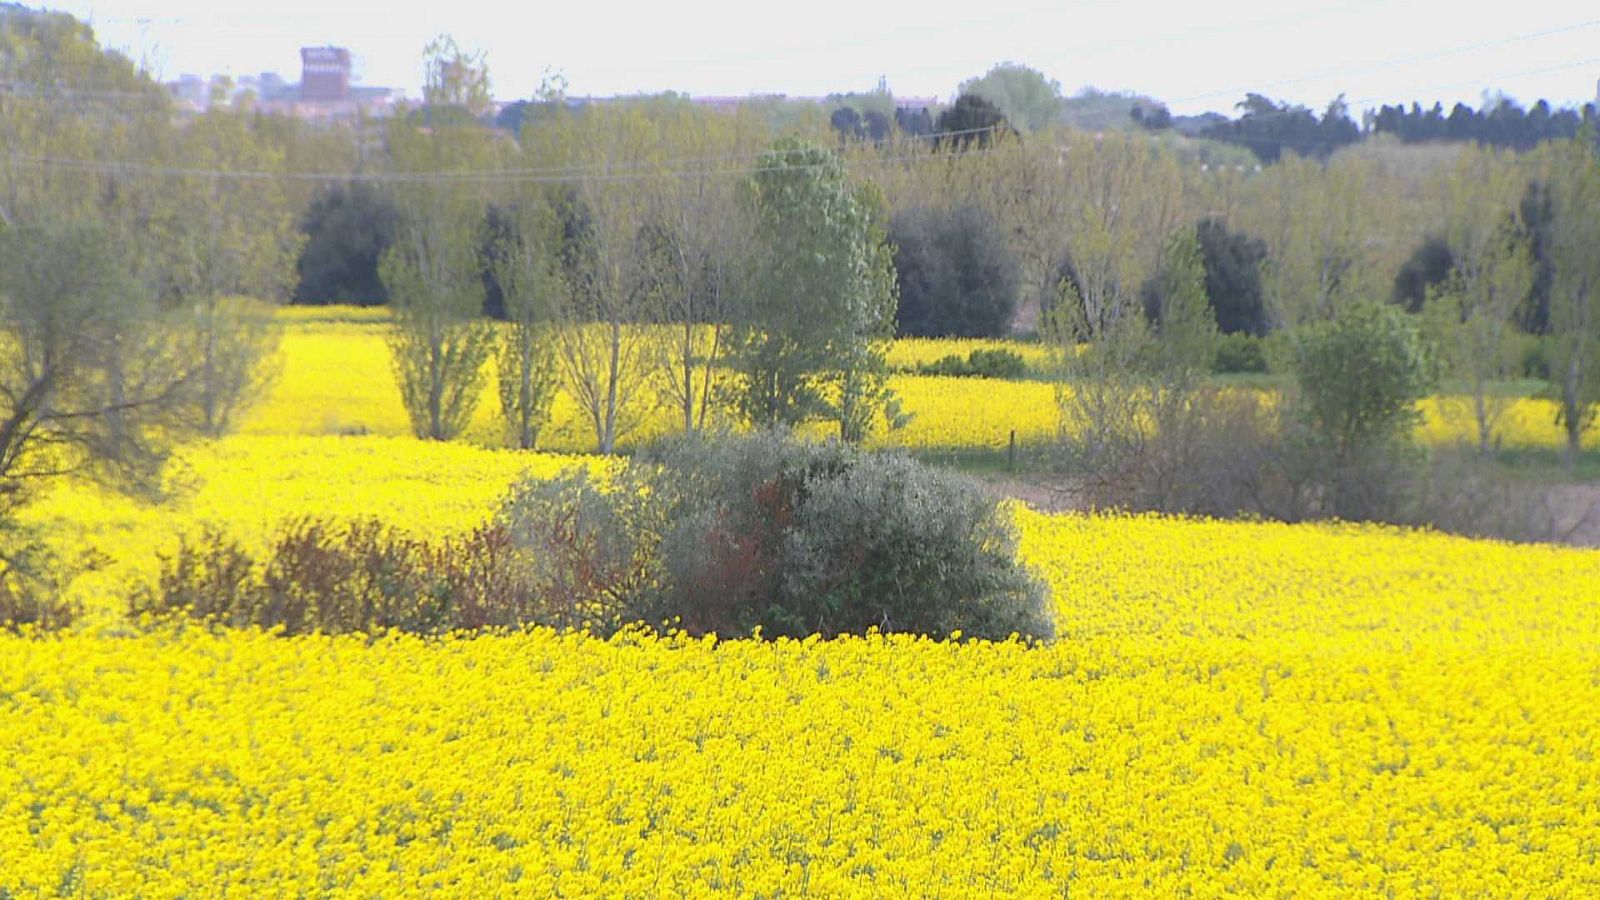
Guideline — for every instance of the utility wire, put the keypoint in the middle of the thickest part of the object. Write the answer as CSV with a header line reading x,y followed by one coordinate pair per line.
x,y
491,177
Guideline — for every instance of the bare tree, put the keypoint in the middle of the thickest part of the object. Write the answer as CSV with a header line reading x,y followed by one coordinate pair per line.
x,y
608,357
231,249
1575,295
525,261
433,271
1471,315
700,255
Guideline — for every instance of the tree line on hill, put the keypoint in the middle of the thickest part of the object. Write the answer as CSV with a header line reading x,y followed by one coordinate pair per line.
x,y
772,264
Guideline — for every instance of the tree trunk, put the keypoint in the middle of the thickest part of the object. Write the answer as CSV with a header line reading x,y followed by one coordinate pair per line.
x,y
525,394
1572,410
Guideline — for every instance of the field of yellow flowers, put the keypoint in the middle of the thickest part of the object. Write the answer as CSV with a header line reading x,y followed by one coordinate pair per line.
x,y
1278,710
336,379
1230,708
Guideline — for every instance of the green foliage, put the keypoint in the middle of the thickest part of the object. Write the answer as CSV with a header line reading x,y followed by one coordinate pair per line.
x,y
956,276
347,228
971,120
792,538
1239,353
1575,286
434,277
1360,376
1002,364
1534,359
524,267
439,345
1177,305
1430,264
1536,223
1026,98
811,334
1233,277
92,372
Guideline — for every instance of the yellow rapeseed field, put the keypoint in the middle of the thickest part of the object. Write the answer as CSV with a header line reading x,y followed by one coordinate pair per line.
x,y
336,379
908,353
1232,708
248,485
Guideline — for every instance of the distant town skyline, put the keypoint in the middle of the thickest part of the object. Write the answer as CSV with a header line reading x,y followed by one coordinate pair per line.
x,y
1194,57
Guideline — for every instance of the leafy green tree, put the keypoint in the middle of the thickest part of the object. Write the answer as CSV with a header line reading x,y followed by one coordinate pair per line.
x,y
700,251
440,343
1360,376
229,239
347,228
1352,422
1186,330
956,276
1318,223
1026,98
811,336
613,263
1471,311
1574,178
94,382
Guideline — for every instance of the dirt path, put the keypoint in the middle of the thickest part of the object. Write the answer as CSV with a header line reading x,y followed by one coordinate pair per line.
x,y
1572,509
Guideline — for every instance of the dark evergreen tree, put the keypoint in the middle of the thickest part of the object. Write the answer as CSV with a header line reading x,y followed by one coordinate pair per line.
x,y
846,122
915,123
956,276
971,119
1232,263
1504,125
1268,128
1233,277
347,228
1430,264
1535,218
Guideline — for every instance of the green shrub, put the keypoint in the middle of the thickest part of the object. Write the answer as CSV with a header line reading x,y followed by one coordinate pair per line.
x,y
1535,357
22,607
33,580
998,363
734,534
1238,353
334,577
1359,377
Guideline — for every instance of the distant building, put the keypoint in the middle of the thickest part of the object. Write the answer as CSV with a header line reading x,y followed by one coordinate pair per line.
x,y
324,92
324,74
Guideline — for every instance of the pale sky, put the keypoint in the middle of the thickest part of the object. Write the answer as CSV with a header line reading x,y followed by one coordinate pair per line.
x,y
1195,55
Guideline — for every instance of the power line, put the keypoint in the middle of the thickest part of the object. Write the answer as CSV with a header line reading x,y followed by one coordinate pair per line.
x,y
486,177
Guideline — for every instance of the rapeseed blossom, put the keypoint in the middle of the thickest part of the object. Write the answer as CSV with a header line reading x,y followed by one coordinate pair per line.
x,y
1231,708
1286,710
337,379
